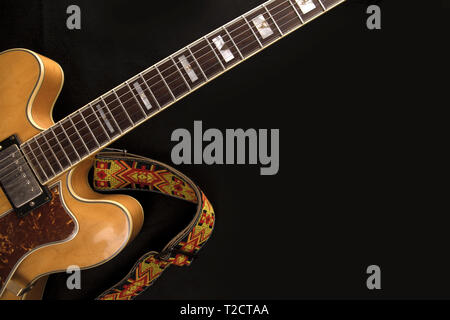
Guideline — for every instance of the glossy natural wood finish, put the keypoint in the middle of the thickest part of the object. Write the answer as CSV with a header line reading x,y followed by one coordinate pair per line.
x,y
29,86
35,293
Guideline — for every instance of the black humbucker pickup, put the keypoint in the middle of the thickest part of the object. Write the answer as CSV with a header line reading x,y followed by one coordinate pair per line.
x,y
18,180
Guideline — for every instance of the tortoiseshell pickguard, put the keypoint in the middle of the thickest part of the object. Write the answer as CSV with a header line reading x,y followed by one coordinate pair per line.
x,y
19,236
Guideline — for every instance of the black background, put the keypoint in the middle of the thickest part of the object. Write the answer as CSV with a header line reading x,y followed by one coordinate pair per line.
x,y
353,107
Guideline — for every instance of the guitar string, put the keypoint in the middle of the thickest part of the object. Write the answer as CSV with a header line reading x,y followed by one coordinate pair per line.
x,y
209,44
103,129
44,156
163,87
180,80
63,152
177,65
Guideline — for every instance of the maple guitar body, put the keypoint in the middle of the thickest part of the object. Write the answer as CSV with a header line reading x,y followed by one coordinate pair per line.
x,y
78,226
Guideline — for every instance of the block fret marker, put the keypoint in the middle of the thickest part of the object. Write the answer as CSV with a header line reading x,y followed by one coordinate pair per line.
x,y
262,26
116,112
105,119
226,53
306,5
187,67
142,95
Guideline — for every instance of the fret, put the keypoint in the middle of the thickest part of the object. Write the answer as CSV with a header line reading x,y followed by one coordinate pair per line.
x,y
215,54
121,108
74,137
87,137
106,118
143,93
49,152
105,130
328,4
172,78
189,70
308,9
156,84
296,11
234,44
41,159
285,15
51,163
65,143
63,158
224,48
83,119
251,29
165,83
32,159
271,17
49,157
130,104
181,74
321,4
141,78
196,62
118,112
263,26
95,126
143,99
207,59
76,134
46,148
246,41
143,103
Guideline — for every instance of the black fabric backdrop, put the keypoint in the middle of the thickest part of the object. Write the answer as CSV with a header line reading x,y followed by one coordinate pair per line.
x,y
352,106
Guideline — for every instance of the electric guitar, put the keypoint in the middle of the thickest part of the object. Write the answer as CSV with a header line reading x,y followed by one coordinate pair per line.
x,y
50,218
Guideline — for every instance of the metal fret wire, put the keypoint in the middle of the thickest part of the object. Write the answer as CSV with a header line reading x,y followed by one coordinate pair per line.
x,y
176,64
167,87
170,90
195,59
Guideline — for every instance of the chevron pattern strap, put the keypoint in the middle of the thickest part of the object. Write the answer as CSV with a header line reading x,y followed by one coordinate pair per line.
x,y
123,173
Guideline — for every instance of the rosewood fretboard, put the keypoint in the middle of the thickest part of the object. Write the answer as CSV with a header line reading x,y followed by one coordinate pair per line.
x,y
118,111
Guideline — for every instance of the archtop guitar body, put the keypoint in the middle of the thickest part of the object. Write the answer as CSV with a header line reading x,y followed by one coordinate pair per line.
x,y
78,226
50,218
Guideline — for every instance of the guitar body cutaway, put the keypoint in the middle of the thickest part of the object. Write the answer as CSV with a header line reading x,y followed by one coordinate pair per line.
x,y
78,226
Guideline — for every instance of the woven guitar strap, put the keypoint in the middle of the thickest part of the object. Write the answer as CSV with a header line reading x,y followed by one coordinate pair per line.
x,y
114,171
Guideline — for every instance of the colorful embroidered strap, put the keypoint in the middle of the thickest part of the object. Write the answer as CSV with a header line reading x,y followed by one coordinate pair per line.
x,y
119,171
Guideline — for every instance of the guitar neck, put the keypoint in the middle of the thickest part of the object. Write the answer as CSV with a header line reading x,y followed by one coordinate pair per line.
x,y
107,118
